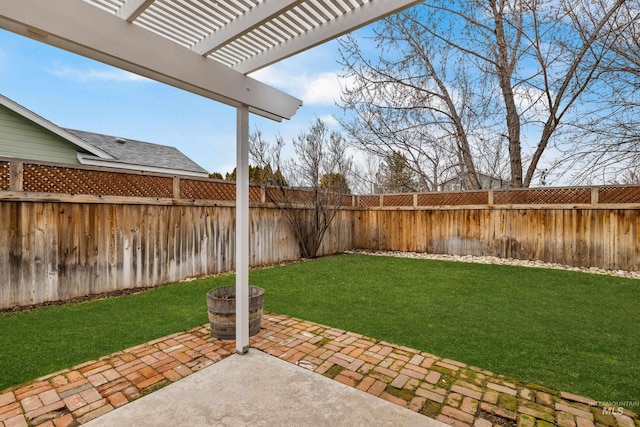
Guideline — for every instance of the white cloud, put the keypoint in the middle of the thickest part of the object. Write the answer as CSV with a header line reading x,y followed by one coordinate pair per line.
x,y
322,89
330,120
315,89
95,75
532,101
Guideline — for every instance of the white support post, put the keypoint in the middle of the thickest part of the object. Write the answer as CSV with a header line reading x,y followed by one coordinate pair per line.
x,y
242,231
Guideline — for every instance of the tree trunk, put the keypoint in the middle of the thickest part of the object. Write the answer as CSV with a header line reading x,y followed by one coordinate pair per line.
x,y
504,69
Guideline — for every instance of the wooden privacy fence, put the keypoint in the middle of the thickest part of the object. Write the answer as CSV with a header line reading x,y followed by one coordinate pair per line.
x,y
607,238
58,250
68,231
578,226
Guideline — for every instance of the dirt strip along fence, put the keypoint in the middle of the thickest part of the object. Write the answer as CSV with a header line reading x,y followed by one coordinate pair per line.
x,y
69,231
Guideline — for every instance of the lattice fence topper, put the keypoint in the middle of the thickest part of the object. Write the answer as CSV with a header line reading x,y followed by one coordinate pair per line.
x,y
348,201
284,195
5,173
619,194
305,197
60,179
368,201
214,190
397,200
542,196
454,199
71,179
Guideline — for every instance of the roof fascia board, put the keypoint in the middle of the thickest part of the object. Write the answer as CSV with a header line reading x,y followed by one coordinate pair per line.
x,y
84,29
352,20
94,161
245,23
52,127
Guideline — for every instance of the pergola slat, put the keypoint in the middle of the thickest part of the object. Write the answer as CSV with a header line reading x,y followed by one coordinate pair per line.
x,y
257,16
340,25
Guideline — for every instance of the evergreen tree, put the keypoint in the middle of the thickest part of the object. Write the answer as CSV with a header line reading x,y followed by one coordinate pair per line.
x,y
396,175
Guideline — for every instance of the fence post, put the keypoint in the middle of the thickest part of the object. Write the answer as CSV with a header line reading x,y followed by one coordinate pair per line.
x,y
595,195
16,176
176,187
490,197
415,200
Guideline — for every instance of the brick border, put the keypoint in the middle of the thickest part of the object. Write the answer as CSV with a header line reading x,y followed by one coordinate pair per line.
x,y
444,389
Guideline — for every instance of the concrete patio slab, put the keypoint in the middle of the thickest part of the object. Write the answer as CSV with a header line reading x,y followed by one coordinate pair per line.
x,y
260,390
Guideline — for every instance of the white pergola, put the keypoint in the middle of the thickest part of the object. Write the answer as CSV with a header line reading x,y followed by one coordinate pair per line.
x,y
205,47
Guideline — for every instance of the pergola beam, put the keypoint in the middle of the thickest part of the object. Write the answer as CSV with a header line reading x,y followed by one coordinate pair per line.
x,y
247,22
366,14
131,9
81,28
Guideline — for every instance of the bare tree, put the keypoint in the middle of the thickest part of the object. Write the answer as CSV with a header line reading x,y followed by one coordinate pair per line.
x,y
364,178
630,176
458,78
610,137
318,171
407,103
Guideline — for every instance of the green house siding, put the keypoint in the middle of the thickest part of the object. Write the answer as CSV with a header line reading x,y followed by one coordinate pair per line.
x,y
24,139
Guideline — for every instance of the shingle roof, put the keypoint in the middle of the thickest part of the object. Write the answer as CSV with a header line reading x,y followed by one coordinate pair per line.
x,y
139,152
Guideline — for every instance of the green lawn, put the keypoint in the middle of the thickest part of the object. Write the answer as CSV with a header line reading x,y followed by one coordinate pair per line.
x,y
571,331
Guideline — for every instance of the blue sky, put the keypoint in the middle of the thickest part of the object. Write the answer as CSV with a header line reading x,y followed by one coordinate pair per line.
x,y
75,92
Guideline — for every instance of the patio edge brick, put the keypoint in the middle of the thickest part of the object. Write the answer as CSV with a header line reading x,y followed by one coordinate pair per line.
x,y
398,374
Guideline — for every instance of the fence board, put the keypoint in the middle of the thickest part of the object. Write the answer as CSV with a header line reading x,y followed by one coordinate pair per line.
x,y
5,252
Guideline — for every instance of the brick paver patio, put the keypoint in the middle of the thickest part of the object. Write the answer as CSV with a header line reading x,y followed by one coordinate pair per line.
x,y
446,390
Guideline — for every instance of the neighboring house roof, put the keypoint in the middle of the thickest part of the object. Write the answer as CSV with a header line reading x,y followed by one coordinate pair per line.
x,y
130,154
51,127
115,152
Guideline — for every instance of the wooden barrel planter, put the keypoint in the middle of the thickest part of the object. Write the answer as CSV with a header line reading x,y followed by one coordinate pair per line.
x,y
221,303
